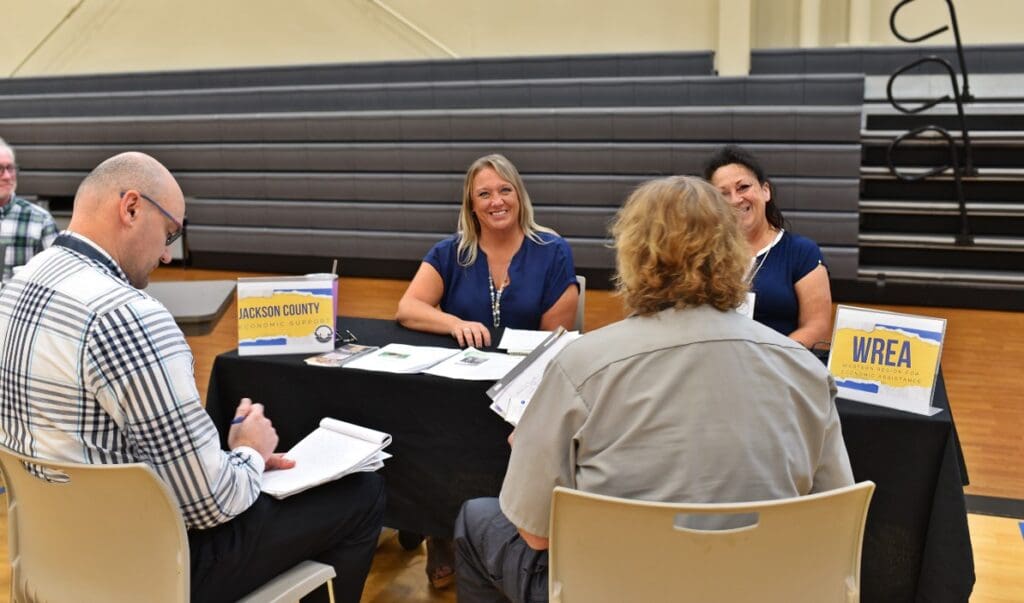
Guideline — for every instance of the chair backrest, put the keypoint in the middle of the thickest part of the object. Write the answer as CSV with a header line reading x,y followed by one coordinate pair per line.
x,y
800,549
578,325
104,533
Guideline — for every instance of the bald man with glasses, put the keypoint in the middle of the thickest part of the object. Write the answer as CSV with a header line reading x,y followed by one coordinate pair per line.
x,y
96,371
25,228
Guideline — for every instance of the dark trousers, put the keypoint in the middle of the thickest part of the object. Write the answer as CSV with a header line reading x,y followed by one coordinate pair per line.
x,y
337,523
492,562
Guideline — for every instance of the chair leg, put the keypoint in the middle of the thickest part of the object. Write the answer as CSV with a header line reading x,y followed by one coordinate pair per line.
x,y
330,590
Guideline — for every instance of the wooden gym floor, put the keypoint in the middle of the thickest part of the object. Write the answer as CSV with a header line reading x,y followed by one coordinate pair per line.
x,y
983,359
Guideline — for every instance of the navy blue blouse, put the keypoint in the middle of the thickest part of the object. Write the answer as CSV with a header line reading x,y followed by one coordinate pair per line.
x,y
788,261
538,276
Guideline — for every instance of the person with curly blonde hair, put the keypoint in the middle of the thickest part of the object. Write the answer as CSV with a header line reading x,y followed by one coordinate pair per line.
x,y
686,400
677,247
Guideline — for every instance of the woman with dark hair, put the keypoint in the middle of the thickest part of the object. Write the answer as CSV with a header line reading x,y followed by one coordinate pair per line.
x,y
788,279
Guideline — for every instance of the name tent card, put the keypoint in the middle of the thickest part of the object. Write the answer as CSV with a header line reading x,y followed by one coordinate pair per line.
x,y
886,358
286,315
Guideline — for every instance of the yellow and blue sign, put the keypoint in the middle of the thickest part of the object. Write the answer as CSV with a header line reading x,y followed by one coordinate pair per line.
x,y
886,358
286,315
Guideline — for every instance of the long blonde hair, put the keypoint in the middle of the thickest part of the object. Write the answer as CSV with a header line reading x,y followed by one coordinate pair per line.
x,y
469,226
678,244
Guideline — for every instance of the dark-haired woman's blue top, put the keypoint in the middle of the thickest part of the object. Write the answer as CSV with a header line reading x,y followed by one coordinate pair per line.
x,y
538,276
788,261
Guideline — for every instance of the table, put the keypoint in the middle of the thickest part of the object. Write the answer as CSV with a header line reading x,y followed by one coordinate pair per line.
x,y
449,446
195,305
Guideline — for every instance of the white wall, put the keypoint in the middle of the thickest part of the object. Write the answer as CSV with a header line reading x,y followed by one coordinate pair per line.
x,y
981,21
40,38
131,35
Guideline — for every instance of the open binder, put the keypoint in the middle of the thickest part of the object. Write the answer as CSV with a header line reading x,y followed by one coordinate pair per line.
x,y
333,450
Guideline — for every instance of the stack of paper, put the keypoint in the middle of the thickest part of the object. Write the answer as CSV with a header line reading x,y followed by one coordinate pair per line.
x,y
523,341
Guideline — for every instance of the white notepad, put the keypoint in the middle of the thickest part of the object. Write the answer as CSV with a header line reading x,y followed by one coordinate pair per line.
x,y
332,451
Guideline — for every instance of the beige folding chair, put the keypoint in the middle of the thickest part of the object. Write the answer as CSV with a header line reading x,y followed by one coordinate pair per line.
x,y
578,325
110,534
800,549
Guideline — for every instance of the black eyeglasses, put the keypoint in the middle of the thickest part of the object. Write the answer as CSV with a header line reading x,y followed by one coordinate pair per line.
x,y
174,236
348,337
10,167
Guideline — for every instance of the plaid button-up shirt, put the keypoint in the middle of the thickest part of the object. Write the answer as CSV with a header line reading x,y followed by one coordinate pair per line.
x,y
93,370
25,230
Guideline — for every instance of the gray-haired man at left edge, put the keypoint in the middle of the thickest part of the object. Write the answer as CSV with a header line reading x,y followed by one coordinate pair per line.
x,y
25,228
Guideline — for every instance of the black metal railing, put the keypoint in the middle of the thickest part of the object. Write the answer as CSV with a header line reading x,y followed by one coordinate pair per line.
x,y
959,97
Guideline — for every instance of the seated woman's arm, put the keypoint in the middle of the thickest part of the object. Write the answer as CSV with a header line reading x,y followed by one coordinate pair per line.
x,y
418,310
563,312
814,320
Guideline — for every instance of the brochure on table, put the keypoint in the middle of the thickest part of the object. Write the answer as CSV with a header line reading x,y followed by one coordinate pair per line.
x,y
401,358
341,356
472,364
886,358
286,315
513,393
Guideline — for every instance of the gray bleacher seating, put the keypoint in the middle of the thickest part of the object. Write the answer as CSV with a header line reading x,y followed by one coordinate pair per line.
x,y
909,248
569,92
534,67
649,158
374,171
883,60
754,123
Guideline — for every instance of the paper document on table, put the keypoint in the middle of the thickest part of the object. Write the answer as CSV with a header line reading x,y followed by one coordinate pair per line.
x,y
401,358
333,450
473,365
513,393
341,356
521,341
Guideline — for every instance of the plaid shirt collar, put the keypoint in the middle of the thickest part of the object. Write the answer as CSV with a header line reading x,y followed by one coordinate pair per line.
x,y
86,247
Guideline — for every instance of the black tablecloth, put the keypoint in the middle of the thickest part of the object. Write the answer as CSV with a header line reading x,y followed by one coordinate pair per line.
x,y
449,446
916,546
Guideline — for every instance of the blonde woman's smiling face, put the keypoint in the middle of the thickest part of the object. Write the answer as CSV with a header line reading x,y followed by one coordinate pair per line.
x,y
495,201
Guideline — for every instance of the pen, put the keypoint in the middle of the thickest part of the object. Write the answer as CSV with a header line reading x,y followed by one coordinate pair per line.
x,y
237,419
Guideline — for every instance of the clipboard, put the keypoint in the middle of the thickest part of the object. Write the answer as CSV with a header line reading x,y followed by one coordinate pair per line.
x,y
495,390
513,393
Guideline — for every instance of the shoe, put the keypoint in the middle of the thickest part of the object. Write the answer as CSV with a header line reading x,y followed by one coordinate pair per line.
x,y
410,541
440,562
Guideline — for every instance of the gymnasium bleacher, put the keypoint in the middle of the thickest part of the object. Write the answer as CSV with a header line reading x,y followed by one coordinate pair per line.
x,y
907,241
288,167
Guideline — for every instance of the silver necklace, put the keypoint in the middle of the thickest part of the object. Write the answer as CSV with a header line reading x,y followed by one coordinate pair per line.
x,y
495,299
750,279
